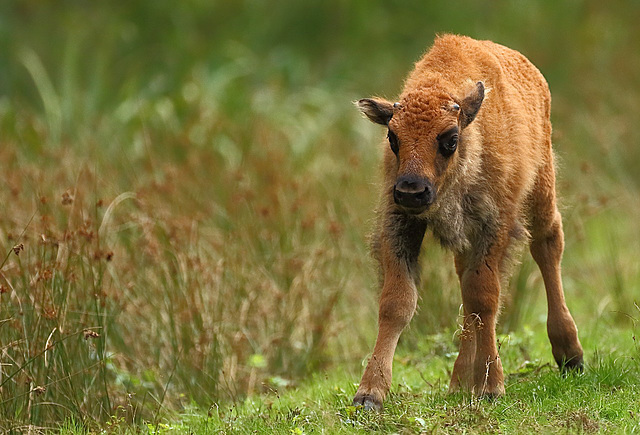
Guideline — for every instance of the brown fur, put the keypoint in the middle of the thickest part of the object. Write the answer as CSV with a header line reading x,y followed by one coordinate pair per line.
x,y
498,186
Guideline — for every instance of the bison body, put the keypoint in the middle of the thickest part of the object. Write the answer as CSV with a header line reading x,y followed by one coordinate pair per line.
x,y
469,157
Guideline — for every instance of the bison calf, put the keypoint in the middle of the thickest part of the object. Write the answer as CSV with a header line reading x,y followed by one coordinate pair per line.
x,y
469,157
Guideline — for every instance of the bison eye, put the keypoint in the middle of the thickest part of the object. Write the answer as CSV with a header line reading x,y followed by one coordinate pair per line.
x,y
447,148
393,141
448,142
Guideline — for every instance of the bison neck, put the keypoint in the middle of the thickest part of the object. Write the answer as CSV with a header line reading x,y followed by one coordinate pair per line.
x,y
465,218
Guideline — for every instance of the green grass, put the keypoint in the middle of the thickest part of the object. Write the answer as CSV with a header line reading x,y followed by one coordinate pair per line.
x,y
539,399
192,190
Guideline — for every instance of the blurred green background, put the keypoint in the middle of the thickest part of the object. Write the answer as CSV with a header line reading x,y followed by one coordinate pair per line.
x,y
191,182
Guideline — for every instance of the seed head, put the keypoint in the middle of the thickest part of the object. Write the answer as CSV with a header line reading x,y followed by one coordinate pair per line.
x,y
18,248
88,333
67,198
39,390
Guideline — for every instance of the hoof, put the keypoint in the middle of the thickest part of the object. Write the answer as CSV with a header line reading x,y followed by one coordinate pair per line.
x,y
368,402
574,365
491,397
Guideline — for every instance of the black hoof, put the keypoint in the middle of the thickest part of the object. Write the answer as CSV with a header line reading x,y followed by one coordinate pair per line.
x,y
490,397
574,365
368,402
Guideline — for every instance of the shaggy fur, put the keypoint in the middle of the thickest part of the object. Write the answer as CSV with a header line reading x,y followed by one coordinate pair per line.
x,y
498,186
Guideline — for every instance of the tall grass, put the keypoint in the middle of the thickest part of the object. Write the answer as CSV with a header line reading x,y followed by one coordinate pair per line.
x,y
187,192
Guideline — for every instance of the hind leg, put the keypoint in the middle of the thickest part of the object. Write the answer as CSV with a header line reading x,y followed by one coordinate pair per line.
x,y
547,246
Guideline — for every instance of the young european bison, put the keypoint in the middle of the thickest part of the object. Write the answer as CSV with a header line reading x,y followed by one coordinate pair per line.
x,y
470,158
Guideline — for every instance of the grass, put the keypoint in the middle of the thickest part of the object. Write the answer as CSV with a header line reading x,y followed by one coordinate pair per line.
x,y
187,192
538,399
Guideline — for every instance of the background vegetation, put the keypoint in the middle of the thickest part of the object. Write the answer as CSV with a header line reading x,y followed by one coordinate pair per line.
x,y
186,192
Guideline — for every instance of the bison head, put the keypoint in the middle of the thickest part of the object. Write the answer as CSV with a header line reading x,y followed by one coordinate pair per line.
x,y
426,128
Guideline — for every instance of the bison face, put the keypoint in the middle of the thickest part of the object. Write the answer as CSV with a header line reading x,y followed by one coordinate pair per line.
x,y
425,129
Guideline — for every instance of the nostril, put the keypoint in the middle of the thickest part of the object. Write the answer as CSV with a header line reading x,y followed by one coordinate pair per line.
x,y
412,187
406,186
424,194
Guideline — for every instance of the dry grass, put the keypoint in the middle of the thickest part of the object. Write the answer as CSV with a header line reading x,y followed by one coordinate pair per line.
x,y
153,281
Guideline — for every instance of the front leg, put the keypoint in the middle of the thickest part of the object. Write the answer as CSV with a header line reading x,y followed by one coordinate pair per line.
x,y
462,378
398,248
478,367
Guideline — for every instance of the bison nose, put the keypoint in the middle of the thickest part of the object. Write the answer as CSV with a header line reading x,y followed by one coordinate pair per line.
x,y
413,192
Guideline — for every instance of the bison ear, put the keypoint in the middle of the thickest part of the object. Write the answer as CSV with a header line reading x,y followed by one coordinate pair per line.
x,y
471,104
377,110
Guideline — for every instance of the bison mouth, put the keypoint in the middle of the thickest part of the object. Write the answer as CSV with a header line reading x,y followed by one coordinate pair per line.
x,y
413,211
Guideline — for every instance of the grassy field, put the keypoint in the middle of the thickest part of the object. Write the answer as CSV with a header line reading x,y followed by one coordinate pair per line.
x,y
538,400
187,192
